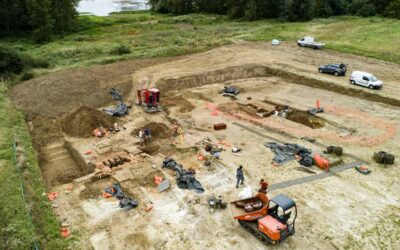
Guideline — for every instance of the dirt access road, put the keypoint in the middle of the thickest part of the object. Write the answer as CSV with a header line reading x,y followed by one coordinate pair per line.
x,y
347,210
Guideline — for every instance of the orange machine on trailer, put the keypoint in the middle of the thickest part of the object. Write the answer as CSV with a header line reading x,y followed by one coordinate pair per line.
x,y
150,99
271,221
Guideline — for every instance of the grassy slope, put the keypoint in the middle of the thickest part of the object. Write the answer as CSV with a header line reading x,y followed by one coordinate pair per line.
x,y
16,230
149,35
155,35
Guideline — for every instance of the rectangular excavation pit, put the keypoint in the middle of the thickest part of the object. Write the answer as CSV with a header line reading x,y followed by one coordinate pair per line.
x,y
61,163
297,115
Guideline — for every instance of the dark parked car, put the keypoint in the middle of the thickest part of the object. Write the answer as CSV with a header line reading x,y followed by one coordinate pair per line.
x,y
334,69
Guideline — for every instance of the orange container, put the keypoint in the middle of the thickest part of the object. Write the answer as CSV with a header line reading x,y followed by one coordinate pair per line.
x,y
321,162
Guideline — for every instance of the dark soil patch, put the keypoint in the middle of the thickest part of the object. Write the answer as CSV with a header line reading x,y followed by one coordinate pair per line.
x,y
81,121
150,149
95,189
306,119
148,180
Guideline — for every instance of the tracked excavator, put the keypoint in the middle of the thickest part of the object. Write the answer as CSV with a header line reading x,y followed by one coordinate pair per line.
x,y
149,99
269,220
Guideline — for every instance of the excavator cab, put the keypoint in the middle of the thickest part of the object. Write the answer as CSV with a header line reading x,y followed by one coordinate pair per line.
x,y
283,213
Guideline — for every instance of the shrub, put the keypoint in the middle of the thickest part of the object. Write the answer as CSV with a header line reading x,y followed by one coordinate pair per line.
x,y
393,10
362,8
120,50
32,62
27,76
11,61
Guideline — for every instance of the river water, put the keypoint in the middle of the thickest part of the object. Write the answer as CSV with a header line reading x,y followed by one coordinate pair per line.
x,y
105,7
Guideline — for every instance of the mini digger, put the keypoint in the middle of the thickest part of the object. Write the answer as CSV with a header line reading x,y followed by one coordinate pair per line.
x,y
269,220
149,99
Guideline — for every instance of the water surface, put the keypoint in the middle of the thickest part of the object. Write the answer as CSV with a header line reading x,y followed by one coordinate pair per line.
x,y
105,7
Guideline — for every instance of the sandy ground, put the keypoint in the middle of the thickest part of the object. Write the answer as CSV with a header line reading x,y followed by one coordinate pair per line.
x,y
345,211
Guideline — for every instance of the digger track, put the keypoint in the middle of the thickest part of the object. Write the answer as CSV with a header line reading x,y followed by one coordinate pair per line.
x,y
251,227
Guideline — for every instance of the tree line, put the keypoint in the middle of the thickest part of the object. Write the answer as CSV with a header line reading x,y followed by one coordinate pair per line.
x,y
290,10
39,18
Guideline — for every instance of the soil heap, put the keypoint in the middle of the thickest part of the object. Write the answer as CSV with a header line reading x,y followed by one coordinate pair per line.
x,y
83,120
158,131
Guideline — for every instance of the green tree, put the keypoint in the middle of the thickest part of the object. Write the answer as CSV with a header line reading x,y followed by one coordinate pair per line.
x,y
40,19
380,5
236,8
322,8
338,7
393,9
211,6
269,8
64,14
251,10
14,16
362,8
298,10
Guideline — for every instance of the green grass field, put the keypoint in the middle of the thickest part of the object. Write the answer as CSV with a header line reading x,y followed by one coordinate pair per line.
x,y
148,34
118,37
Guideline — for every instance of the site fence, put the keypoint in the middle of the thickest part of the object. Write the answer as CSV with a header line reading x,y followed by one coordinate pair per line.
x,y
28,211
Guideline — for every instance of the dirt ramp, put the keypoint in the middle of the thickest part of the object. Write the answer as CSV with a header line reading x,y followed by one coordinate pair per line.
x,y
81,121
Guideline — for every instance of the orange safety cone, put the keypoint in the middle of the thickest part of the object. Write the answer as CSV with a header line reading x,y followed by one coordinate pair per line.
x,y
318,104
65,232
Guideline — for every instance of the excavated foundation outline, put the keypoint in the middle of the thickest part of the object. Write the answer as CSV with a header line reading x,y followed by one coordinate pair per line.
x,y
259,70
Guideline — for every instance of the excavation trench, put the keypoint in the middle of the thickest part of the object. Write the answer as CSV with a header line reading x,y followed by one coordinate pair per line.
x,y
61,163
257,70
300,116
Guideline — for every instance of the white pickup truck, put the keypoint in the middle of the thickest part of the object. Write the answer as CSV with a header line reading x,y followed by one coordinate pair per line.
x,y
310,42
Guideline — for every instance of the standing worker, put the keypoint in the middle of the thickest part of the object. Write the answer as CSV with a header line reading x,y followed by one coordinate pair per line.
x,y
263,187
141,136
239,176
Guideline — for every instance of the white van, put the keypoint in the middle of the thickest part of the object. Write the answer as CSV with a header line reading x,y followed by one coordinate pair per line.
x,y
365,79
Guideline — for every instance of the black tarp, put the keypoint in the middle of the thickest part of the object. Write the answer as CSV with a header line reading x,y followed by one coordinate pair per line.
x,y
288,151
185,179
125,202
120,110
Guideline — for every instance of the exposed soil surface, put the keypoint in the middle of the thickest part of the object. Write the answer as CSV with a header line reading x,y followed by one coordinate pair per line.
x,y
343,211
46,99
83,120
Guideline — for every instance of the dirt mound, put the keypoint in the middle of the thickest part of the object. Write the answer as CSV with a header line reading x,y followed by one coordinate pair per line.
x,y
81,121
158,131
56,94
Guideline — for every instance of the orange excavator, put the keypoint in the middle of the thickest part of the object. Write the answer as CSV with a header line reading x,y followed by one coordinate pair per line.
x,y
271,221
149,99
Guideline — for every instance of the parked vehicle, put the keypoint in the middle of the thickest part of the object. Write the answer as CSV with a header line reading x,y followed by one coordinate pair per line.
x,y
365,79
271,221
335,69
310,42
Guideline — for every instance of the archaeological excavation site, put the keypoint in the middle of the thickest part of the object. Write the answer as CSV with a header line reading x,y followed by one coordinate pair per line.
x,y
146,154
